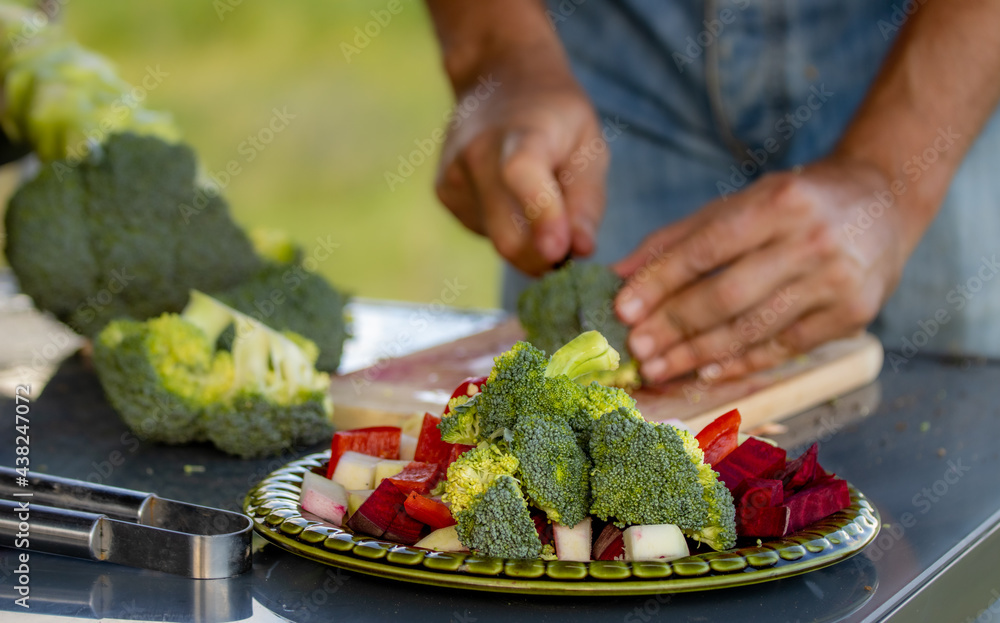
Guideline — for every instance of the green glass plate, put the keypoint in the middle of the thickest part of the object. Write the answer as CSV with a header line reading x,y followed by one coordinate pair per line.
x,y
274,507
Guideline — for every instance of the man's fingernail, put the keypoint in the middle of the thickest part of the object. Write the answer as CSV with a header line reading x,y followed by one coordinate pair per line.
x,y
641,346
550,248
630,309
710,372
655,369
586,227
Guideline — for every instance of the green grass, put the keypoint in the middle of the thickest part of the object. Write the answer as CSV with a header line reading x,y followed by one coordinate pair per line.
x,y
324,174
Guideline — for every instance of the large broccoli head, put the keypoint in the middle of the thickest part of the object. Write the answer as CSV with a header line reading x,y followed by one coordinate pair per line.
x,y
572,300
127,233
166,379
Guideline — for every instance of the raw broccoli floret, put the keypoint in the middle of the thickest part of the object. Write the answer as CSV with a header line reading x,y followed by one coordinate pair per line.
x,y
497,522
514,383
166,379
107,237
572,300
461,423
287,297
647,473
554,468
474,471
523,380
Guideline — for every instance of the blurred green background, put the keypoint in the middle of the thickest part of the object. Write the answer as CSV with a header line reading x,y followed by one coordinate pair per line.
x,y
229,63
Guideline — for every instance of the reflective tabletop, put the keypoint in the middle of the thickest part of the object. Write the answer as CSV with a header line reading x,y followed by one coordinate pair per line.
x,y
921,443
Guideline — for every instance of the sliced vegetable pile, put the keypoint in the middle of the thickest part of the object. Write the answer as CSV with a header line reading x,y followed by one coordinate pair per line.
x,y
528,462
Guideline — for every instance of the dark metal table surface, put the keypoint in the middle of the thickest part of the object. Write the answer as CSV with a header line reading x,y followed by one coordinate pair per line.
x,y
921,443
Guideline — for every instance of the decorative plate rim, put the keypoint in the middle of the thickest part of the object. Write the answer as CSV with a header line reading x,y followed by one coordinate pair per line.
x,y
273,505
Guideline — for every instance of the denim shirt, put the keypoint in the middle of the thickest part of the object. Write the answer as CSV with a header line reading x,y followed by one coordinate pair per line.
x,y
699,98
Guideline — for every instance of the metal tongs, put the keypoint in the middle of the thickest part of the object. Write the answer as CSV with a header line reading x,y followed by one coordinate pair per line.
x,y
96,522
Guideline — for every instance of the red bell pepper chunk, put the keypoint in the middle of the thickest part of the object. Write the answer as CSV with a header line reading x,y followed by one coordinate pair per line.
x,y
720,437
380,441
417,476
430,447
469,387
428,511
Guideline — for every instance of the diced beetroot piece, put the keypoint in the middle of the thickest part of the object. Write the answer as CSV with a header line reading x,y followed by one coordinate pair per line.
x,y
469,387
431,512
405,529
610,544
751,459
457,450
800,472
543,526
816,502
759,493
379,511
430,447
720,437
417,476
771,521
380,441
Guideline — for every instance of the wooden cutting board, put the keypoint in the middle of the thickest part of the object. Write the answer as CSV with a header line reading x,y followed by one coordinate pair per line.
x,y
392,390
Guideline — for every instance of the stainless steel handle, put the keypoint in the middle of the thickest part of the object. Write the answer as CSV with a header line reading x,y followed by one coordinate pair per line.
x,y
64,493
96,522
48,529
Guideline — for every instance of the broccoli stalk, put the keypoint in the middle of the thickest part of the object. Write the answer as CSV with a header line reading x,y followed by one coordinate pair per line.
x,y
169,383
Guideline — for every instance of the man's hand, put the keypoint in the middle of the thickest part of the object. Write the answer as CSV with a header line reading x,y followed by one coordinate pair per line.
x,y
789,264
771,272
508,172
526,164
